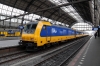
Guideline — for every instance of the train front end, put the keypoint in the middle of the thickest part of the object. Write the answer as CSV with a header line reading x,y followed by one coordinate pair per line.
x,y
28,35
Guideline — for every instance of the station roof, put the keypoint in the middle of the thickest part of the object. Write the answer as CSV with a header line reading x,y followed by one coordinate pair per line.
x,y
56,13
83,8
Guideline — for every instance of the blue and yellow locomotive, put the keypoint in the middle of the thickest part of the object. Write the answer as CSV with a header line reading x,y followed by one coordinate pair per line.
x,y
41,33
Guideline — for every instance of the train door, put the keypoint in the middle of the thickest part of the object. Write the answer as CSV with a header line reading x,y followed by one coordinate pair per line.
x,y
48,33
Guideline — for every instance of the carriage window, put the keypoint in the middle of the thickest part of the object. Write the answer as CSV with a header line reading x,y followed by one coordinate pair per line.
x,y
44,27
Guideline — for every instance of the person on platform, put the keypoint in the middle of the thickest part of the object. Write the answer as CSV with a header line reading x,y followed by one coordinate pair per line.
x,y
95,35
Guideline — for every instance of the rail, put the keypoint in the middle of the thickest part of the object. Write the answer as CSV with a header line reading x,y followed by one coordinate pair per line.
x,y
64,55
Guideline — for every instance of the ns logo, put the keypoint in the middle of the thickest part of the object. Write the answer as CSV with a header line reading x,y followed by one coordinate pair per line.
x,y
54,30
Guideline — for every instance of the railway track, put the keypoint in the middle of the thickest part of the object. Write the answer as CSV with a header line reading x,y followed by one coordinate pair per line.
x,y
10,53
11,57
63,56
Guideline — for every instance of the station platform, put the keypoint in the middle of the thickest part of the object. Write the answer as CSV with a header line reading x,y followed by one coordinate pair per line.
x,y
8,38
9,43
89,55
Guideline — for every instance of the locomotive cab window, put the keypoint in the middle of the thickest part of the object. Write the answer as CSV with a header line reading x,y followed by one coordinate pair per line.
x,y
33,27
30,28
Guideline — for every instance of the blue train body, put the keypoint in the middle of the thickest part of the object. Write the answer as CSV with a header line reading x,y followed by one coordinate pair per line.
x,y
57,31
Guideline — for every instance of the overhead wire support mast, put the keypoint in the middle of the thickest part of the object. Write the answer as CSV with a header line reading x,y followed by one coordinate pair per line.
x,y
74,2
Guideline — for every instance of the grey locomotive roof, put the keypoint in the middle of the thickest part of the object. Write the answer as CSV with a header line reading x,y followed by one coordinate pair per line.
x,y
35,22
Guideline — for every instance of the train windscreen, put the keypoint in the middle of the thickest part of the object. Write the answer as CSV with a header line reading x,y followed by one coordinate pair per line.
x,y
30,28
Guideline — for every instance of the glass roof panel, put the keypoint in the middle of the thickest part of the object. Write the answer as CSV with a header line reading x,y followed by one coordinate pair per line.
x,y
10,8
1,5
82,26
69,9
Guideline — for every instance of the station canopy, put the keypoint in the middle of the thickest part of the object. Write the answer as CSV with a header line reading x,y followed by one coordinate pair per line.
x,y
74,11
